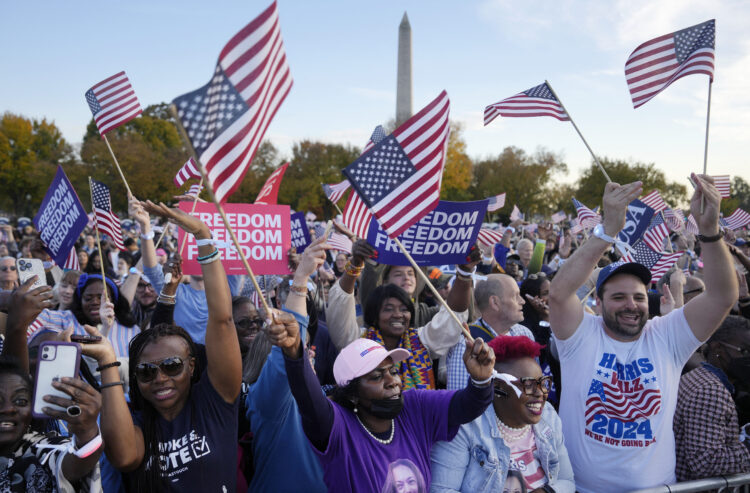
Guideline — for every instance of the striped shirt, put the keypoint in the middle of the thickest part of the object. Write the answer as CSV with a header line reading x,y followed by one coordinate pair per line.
x,y
58,321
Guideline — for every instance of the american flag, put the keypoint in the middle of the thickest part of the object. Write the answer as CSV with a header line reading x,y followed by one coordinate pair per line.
x,y
399,178
537,101
721,182
558,216
575,226
656,233
586,217
515,214
356,214
738,219
106,221
71,262
227,118
496,202
339,242
531,227
655,201
692,226
675,219
609,399
37,324
195,189
113,102
655,64
335,191
189,170
657,263
488,236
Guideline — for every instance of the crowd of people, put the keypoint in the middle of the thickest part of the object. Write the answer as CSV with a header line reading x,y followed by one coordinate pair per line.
x,y
521,369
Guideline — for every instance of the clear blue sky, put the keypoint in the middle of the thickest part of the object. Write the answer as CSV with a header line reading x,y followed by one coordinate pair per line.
x,y
342,55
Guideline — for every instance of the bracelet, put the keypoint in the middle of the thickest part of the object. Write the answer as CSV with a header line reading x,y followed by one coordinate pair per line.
x,y
298,289
87,449
165,301
108,365
464,273
112,384
210,255
297,293
148,236
711,239
165,295
205,241
352,269
482,383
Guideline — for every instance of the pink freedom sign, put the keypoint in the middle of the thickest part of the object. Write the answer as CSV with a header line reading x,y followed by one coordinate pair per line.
x,y
263,231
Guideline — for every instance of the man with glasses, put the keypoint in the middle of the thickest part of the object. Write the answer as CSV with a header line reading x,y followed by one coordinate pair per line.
x,y
144,302
8,274
705,423
620,370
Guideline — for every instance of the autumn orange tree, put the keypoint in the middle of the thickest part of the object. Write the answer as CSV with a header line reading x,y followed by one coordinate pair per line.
x,y
458,167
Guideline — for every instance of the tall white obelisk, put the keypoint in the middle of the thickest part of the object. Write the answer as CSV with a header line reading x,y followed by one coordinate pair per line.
x,y
403,75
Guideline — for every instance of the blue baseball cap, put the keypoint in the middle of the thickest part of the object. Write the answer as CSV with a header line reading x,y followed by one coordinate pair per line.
x,y
635,269
740,242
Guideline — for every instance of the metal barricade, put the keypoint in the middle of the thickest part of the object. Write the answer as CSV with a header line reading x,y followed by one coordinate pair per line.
x,y
738,483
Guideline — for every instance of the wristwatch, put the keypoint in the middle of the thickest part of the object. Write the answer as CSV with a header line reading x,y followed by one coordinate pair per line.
x,y
599,233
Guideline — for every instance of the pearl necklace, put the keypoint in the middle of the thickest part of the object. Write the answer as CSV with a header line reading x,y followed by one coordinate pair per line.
x,y
511,434
384,442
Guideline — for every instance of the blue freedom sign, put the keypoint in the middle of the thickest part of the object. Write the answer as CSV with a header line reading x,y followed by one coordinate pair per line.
x,y
61,218
637,219
300,233
444,236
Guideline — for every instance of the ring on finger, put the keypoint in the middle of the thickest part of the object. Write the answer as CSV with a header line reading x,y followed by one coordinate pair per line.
x,y
73,410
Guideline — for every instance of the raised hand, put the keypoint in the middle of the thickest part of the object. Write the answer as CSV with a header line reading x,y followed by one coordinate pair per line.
x,y
188,223
705,191
539,306
107,313
472,260
479,359
362,250
26,304
666,302
615,204
102,350
137,212
89,401
283,331
313,257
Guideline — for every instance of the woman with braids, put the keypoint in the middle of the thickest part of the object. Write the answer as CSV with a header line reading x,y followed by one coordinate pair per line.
x,y
389,313
182,435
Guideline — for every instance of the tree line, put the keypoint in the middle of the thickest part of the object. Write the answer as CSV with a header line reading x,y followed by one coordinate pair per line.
x,y
150,153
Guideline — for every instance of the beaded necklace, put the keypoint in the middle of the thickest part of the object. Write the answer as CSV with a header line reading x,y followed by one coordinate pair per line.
x,y
384,442
511,434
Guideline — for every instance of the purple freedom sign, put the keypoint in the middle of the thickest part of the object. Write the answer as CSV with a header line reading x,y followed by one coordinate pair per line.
x,y
300,233
61,218
444,236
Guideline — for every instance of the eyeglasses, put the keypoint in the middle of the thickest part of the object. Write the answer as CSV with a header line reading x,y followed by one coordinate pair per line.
x,y
6,268
171,367
529,385
743,351
249,323
144,286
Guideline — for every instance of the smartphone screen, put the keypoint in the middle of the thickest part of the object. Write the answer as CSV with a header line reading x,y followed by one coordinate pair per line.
x,y
55,360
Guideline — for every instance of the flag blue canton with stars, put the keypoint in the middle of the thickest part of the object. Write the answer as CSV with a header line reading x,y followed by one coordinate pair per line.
x,y
380,170
694,38
597,388
540,91
207,111
100,195
94,105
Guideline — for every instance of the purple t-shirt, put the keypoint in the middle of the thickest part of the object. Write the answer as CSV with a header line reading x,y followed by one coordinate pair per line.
x,y
355,461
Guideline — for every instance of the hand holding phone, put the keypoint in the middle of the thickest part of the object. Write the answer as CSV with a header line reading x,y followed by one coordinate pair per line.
x,y
28,267
56,360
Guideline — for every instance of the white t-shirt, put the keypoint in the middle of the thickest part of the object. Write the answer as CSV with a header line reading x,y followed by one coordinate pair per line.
x,y
618,402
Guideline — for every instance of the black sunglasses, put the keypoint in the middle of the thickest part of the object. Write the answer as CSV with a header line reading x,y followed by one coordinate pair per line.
x,y
6,268
249,323
171,367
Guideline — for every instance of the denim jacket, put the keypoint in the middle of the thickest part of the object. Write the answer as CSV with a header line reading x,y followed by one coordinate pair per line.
x,y
477,459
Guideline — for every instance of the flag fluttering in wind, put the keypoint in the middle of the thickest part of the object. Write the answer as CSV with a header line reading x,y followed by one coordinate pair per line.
x,y
335,191
399,178
722,184
575,226
738,219
71,262
189,170
692,226
227,118
657,262
357,216
656,233
655,64
489,236
558,216
655,201
269,193
496,202
113,102
515,214
675,219
586,217
537,101
195,189
339,242
106,221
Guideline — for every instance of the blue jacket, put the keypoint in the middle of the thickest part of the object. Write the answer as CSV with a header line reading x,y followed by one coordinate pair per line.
x,y
477,459
284,459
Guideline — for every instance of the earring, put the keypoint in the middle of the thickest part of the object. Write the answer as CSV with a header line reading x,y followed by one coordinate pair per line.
x,y
355,409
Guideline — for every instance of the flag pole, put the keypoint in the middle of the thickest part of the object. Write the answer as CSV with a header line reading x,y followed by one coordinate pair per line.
x,y
583,300
434,290
195,202
669,242
117,165
209,187
334,204
705,145
99,247
596,159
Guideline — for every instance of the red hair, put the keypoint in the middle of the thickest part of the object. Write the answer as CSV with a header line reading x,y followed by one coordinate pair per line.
x,y
514,347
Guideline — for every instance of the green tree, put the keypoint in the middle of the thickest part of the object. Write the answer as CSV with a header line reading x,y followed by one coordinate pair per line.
x,y
527,180
30,151
590,186
458,167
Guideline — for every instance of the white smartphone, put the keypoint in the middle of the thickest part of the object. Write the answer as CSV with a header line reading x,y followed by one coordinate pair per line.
x,y
28,267
56,360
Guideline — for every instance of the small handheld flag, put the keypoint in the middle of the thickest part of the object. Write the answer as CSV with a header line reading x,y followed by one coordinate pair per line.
x,y
113,102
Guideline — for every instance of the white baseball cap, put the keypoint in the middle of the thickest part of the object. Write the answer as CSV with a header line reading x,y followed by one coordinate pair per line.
x,y
361,357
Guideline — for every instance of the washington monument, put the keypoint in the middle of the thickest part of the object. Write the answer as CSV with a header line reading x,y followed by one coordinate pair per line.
x,y
403,75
